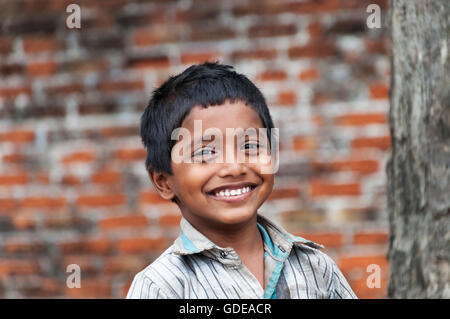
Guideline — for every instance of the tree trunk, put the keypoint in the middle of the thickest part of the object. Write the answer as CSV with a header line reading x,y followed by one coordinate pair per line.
x,y
418,168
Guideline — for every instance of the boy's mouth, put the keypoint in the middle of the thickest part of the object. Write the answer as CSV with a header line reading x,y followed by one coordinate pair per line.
x,y
232,192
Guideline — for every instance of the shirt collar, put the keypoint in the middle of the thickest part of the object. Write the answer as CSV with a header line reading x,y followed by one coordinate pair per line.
x,y
191,241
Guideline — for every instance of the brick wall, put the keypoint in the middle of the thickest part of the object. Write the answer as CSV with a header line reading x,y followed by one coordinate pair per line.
x,y
73,187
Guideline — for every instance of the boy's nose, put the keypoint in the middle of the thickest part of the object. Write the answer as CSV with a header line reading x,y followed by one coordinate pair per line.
x,y
232,169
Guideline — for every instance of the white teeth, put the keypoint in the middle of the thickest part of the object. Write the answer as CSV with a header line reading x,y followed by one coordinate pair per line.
x,y
233,192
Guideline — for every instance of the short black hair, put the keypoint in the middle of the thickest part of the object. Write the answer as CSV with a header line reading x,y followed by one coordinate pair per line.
x,y
205,84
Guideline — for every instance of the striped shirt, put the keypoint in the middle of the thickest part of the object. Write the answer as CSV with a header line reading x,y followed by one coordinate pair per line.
x,y
194,267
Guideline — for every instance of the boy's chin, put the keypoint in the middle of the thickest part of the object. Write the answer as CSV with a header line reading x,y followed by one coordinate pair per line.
x,y
233,217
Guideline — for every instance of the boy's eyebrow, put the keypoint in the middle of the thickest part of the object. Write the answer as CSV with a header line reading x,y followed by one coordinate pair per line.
x,y
240,132
203,138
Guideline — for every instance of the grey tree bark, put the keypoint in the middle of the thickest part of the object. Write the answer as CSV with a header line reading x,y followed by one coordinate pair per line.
x,y
418,167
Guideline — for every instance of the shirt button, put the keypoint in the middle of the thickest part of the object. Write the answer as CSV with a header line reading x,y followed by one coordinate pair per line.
x,y
223,254
282,250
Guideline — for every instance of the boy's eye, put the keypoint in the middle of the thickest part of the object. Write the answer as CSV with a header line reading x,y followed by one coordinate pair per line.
x,y
204,151
252,146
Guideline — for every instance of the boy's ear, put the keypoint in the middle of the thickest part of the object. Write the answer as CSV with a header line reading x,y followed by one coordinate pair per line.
x,y
161,183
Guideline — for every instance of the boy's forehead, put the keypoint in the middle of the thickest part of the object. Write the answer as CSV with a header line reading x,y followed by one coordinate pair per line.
x,y
227,115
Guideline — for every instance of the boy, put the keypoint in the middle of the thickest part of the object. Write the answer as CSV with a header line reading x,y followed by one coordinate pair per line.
x,y
225,248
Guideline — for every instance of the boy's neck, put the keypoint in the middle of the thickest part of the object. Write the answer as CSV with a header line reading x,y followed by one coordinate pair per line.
x,y
244,238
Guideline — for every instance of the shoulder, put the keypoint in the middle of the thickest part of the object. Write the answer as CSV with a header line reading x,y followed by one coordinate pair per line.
x,y
319,262
324,270
164,278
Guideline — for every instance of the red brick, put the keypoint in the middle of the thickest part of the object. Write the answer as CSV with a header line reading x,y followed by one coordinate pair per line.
x,y
256,8
78,157
24,220
130,154
100,200
141,244
363,291
41,68
7,204
317,49
50,287
17,136
284,193
113,86
328,239
349,263
213,33
309,75
14,246
357,119
70,179
106,177
119,131
19,179
377,46
149,62
44,202
43,178
315,7
91,288
97,246
319,188
153,36
363,166
124,222
196,13
151,198
93,246
315,29
64,89
271,30
287,98
382,143
11,267
10,69
272,75
124,264
12,92
5,45
304,143
372,238
199,57
40,44
14,158
254,54
87,65
379,91
169,220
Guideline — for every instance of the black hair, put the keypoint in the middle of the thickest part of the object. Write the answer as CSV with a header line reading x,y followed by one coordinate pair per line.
x,y
205,84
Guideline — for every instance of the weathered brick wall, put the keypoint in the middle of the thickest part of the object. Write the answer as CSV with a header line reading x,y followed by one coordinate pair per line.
x,y
73,187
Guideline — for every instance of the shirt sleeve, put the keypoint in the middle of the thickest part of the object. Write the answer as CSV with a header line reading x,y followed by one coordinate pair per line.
x,y
143,288
338,286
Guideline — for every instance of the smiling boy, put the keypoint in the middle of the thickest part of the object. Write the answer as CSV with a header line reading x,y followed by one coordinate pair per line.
x,y
225,248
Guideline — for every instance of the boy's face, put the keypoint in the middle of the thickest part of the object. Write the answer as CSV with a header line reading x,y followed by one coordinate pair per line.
x,y
222,183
